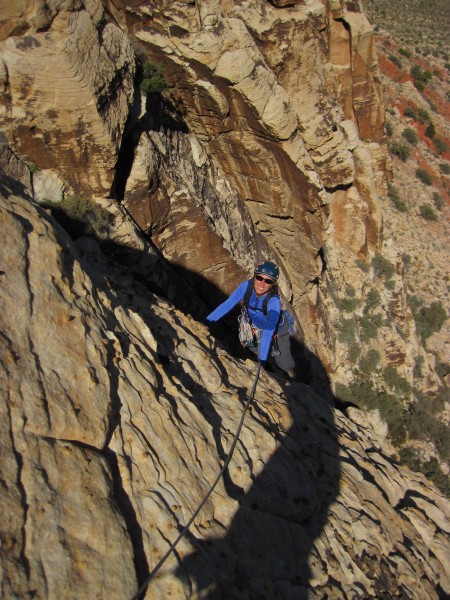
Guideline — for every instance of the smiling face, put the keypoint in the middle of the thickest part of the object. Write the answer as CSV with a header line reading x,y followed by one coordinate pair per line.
x,y
262,284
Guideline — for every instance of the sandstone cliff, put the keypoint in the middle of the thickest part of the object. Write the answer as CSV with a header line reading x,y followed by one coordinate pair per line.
x,y
117,413
118,407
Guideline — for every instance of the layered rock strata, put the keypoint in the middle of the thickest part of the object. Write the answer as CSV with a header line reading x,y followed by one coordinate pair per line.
x,y
117,414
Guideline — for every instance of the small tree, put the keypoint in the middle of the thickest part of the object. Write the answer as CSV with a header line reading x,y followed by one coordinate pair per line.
x,y
410,136
153,81
426,212
424,176
399,150
438,202
430,131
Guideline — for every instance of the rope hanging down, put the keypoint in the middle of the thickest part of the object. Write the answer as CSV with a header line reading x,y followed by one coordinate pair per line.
x,y
202,503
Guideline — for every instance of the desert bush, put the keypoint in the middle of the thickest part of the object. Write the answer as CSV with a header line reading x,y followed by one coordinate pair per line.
x,y
440,146
433,471
373,300
418,364
410,136
153,81
428,319
410,458
430,131
395,60
409,112
391,410
421,77
395,381
400,151
389,129
438,201
445,168
369,363
424,176
394,196
423,116
427,212
81,216
405,52
348,304
382,267
347,330
369,325
406,259
361,264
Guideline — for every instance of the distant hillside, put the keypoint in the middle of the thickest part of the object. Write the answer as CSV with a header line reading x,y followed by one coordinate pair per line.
x,y
424,24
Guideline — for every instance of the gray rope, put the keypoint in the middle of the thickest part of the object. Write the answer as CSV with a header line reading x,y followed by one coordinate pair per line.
x,y
202,503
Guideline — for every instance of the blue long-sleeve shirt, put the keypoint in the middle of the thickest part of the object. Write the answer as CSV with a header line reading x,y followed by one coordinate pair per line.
x,y
267,323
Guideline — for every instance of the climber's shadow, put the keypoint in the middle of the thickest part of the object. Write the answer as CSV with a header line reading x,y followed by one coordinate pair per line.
x,y
268,548
267,551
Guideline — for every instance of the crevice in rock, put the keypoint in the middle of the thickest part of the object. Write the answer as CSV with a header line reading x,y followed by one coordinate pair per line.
x,y
321,255
343,187
129,515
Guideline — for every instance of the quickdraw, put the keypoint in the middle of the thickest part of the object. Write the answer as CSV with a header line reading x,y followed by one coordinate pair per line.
x,y
249,335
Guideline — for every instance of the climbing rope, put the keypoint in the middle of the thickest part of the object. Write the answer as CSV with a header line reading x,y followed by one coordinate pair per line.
x,y
202,503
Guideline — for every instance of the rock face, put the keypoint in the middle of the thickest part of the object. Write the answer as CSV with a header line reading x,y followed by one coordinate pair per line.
x,y
117,414
269,146
118,406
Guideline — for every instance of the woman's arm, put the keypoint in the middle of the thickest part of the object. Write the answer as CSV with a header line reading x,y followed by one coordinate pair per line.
x,y
229,303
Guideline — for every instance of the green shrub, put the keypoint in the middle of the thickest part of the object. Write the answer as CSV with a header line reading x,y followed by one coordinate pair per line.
x,y
373,300
391,410
395,198
423,116
369,363
361,264
153,81
433,471
354,353
429,319
421,77
81,216
430,131
347,329
409,112
369,325
445,168
348,304
399,150
390,284
395,381
410,458
427,212
389,129
440,146
395,60
438,201
406,259
405,52
424,176
410,136
418,364
382,267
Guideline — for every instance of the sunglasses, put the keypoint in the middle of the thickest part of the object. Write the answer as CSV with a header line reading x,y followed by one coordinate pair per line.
x,y
260,278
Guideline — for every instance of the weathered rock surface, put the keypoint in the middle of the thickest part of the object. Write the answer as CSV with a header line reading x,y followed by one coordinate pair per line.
x,y
118,408
117,413
270,144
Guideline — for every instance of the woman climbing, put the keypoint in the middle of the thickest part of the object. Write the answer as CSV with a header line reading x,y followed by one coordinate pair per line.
x,y
264,327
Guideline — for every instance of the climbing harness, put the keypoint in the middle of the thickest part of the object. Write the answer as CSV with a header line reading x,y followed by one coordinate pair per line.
x,y
202,503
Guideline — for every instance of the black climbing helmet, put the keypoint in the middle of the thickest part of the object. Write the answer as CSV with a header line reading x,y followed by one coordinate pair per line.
x,y
269,269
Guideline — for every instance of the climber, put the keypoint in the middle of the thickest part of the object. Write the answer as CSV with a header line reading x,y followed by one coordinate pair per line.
x,y
264,326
